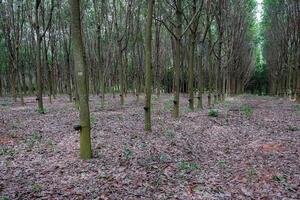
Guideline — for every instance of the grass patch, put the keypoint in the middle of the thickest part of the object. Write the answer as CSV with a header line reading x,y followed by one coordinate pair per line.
x,y
247,110
127,153
93,120
32,140
36,188
297,109
251,173
6,151
168,105
187,166
279,178
41,111
213,113
222,163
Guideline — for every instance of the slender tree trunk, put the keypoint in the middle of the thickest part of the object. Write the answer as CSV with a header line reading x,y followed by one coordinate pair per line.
x,y
298,85
177,59
148,81
210,68
39,79
1,85
82,80
157,57
201,78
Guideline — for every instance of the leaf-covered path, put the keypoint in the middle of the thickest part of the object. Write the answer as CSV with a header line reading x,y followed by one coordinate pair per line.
x,y
250,150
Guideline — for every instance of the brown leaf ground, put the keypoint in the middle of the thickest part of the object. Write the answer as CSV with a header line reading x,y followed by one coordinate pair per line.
x,y
249,151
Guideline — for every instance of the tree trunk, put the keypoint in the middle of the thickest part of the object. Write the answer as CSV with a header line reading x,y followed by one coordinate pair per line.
x,y
177,59
148,79
82,80
201,78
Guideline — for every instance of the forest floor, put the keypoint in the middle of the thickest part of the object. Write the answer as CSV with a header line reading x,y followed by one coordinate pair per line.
x,y
250,150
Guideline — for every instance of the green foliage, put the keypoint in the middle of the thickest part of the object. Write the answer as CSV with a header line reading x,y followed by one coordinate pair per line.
x,y
127,153
4,198
154,98
247,110
188,166
213,113
293,128
6,151
41,111
36,188
77,106
163,157
32,140
168,105
251,172
13,135
93,120
222,163
226,104
279,178
297,109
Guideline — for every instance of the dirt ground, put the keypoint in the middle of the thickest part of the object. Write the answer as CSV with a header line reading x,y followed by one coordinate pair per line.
x,y
249,150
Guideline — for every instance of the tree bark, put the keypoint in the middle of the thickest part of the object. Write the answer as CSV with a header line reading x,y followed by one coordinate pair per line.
x,y
82,80
148,81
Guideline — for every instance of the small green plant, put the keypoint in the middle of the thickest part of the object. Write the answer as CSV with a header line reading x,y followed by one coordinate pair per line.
x,y
128,154
35,137
222,163
213,113
297,109
163,157
37,188
65,109
226,104
293,128
279,178
158,182
4,198
251,172
13,135
247,110
32,139
154,98
77,106
42,111
187,166
103,175
93,120
6,151
168,105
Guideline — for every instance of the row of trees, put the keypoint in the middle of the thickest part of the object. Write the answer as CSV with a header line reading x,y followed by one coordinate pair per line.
x,y
281,29
198,46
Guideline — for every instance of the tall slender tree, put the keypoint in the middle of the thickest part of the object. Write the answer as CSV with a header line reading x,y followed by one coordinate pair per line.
x,y
148,80
82,80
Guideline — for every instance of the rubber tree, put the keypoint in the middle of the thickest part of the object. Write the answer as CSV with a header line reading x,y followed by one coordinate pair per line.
x,y
82,80
148,58
191,61
40,34
177,59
